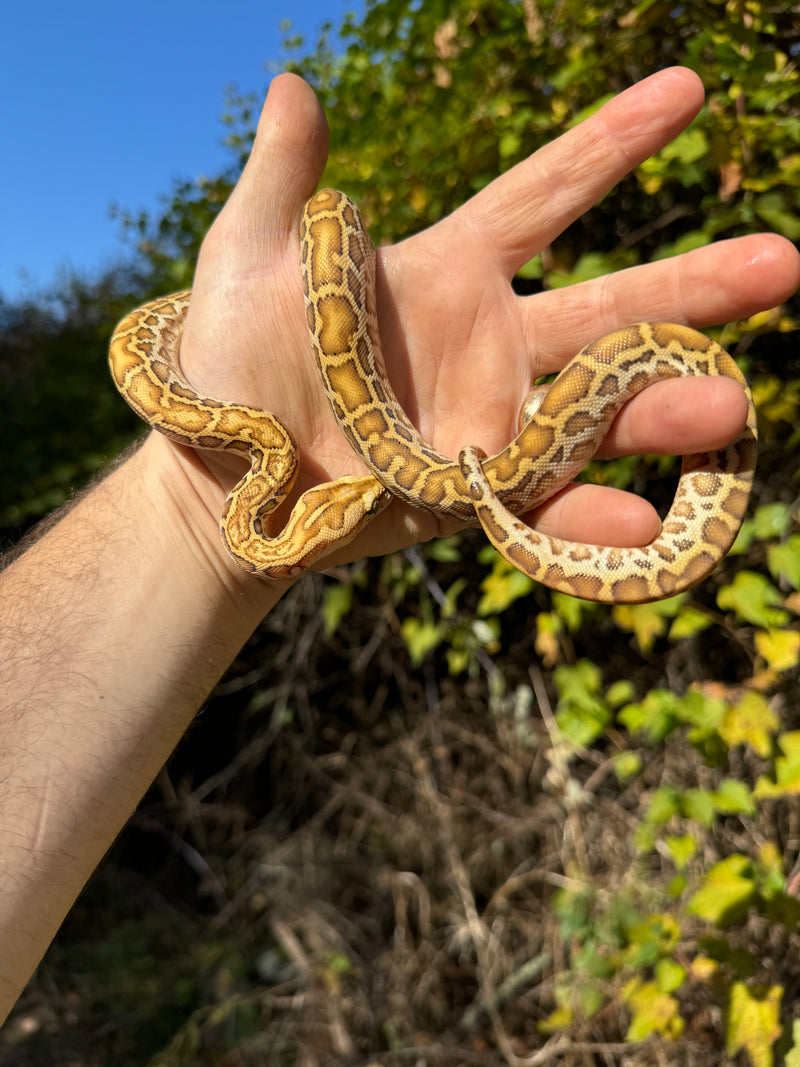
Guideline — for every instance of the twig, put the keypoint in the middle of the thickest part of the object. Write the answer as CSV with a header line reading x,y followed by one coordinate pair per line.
x,y
507,988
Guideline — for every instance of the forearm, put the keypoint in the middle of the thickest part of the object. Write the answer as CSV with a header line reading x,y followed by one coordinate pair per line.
x,y
114,627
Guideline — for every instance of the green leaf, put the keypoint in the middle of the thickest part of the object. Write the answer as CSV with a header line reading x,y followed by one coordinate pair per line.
x,y
744,539
582,715
698,804
650,939
793,1055
626,766
727,890
619,693
687,147
688,622
533,269
700,710
578,682
670,975
451,597
421,638
771,520
444,549
592,265
754,1021
664,803
572,610
687,242
583,723
753,598
783,561
681,850
336,603
458,661
656,716
772,209
733,798
677,886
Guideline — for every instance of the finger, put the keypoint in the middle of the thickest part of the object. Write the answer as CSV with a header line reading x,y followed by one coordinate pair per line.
x,y
282,171
596,515
247,299
724,281
289,150
526,208
678,417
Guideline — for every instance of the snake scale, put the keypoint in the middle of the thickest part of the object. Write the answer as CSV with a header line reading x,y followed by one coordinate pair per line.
x,y
561,428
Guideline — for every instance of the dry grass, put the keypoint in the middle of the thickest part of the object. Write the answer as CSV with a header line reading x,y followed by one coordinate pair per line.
x,y
352,862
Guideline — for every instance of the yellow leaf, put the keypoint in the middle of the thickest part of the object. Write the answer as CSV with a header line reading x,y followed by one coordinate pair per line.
x,y
770,858
793,1055
751,722
652,1011
726,891
647,621
556,1020
548,628
501,587
780,648
787,770
761,318
703,969
754,1022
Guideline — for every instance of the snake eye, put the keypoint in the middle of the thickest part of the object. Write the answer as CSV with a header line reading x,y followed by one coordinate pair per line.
x,y
378,502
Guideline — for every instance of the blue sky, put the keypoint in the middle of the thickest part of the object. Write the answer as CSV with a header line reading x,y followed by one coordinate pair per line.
x,y
105,103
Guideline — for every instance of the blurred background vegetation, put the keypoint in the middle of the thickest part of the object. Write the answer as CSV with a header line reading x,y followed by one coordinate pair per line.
x,y
434,814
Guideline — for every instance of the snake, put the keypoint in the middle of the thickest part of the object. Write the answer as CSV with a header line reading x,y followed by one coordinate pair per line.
x,y
144,357
560,429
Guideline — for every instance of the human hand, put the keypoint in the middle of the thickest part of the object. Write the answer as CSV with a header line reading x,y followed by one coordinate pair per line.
x,y
461,348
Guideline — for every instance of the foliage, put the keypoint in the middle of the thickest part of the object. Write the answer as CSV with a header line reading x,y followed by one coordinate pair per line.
x,y
494,80
60,417
456,818
612,935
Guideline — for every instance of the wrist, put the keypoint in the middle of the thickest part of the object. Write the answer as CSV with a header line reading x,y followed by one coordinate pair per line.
x,y
188,501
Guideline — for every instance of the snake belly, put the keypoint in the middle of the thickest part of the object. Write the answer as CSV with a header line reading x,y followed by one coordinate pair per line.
x,y
338,263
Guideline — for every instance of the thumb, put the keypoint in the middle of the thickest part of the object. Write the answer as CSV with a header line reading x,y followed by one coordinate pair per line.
x,y
284,167
289,151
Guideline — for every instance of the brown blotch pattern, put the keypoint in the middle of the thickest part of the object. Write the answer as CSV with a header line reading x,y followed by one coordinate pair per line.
x,y
337,324
326,259
571,384
347,383
371,423
717,532
607,349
